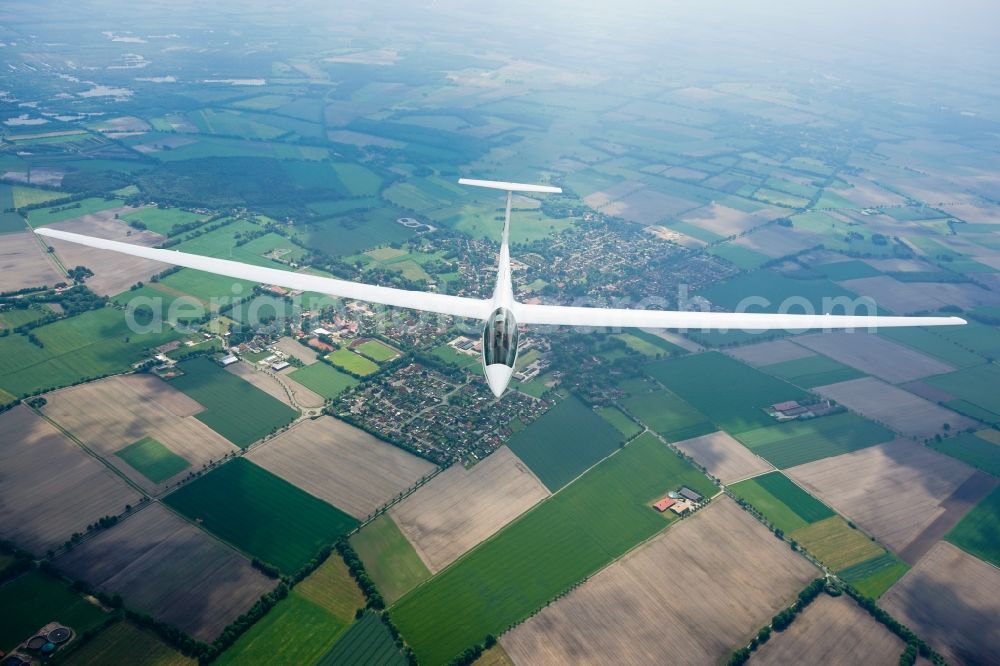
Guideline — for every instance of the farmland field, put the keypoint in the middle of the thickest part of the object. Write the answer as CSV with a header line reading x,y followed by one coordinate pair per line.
x,y
153,460
261,514
162,220
126,643
621,422
944,599
835,543
368,642
324,380
564,442
24,262
92,344
42,216
894,491
234,408
731,576
35,599
667,414
144,556
797,442
972,449
562,540
332,588
389,558
736,404
296,628
977,532
114,413
460,508
781,501
51,487
812,371
832,630
723,457
873,355
876,575
341,464
900,410
974,385
932,344
352,362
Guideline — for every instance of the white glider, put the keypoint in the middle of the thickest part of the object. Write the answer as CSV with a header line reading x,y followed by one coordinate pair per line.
x,y
501,313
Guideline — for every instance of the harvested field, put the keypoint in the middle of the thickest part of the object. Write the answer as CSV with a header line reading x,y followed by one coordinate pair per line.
x,y
305,354
461,507
341,464
836,544
50,488
775,241
951,600
646,206
111,414
832,631
23,263
894,491
143,559
909,297
126,643
276,389
769,353
724,221
724,457
874,355
113,272
898,409
731,576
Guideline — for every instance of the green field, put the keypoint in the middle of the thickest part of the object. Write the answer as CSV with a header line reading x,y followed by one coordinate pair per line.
x,y
389,558
553,546
564,442
836,544
27,196
162,220
354,363
296,629
620,421
449,355
261,514
873,577
933,344
774,287
668,415
234,408
378,351
34,600
978,531
321,378
976,385
812,371
16,317
798,442
648,344
846,270
42,216
85,346
732,395
355,231
743,257
972,449
980,338
359,180
152,459
125,643
367,642
332,588
782,502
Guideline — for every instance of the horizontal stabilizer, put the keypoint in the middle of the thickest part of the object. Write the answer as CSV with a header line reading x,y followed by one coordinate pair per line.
x,y
509,187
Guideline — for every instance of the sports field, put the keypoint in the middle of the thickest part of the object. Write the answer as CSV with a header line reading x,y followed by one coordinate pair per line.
x,y
321,378
973,449
782,502
35,599
234,408
797,442
378,351
977,532
125,643
354,363
153,460
368,642
564,442
296,628
261,514
389,558
556,544
732,395
876,575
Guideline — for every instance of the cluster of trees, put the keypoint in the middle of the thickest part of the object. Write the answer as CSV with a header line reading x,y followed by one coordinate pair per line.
x,y
781,621
21,563
354,564
473,653
200,229
914,645
241,624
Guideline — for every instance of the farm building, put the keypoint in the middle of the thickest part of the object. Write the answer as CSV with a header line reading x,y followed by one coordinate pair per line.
x,y
785,406
680,507
321,331
689,494
228,360
664,504
280,365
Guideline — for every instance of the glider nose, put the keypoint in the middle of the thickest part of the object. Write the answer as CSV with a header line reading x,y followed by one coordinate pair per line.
x,y
498,376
